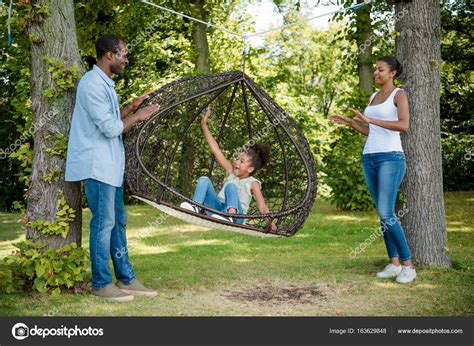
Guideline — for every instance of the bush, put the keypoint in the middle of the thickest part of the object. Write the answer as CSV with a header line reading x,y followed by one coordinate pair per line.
x,y
29,268
344,174
458,162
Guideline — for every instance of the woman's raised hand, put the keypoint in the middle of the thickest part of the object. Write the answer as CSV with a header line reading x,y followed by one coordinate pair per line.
x,y
359,116
341,119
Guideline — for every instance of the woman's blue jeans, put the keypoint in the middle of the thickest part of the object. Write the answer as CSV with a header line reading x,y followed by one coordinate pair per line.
x,y
206,194
384,173
107,234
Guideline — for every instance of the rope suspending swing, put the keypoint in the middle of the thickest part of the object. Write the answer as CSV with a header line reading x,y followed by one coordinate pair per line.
x,y
246,36
167,154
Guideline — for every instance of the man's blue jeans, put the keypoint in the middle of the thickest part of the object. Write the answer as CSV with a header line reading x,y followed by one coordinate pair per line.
x,y
384,173
107,234
206,194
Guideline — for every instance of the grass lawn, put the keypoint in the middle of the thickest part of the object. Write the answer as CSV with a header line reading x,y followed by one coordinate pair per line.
x,y
206,272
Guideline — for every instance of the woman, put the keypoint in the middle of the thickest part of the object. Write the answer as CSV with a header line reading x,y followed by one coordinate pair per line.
x,y
383,160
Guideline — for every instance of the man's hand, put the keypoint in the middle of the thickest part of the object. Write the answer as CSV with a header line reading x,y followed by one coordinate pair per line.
x,y
141,115
139,100
146,112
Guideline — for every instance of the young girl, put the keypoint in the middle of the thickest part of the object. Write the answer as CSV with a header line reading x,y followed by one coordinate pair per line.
x,y
239,185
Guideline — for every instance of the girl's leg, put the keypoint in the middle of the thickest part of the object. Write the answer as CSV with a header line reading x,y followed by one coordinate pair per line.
x,y
392,168
232,201
206,194
371,175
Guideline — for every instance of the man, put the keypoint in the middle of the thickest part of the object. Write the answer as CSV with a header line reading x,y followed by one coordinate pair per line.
x,y
96,157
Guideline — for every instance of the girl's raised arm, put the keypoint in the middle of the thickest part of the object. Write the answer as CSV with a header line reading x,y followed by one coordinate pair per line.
x,y
221,159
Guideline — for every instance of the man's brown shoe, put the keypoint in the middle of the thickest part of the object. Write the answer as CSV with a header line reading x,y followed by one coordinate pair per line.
x,y
112,293
136,288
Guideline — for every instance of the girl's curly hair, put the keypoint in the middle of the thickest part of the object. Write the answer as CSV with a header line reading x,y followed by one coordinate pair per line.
x,y
259,154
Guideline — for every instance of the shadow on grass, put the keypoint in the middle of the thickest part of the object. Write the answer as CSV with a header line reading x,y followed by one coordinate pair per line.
x,y
193,268
10,229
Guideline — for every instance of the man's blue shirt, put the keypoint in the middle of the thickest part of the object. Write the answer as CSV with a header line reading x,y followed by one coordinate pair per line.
x,y
95,149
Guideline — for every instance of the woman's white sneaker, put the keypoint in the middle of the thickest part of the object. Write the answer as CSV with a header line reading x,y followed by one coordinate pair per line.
x,y
390,271
407,275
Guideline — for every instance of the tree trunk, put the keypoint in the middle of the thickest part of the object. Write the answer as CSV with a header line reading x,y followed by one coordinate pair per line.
x,y
56,38
418,50
200,38
186,165
364,45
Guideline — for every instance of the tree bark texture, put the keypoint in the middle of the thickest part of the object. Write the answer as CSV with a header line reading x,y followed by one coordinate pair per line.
x,y
200,38
364,45
418,50
56,38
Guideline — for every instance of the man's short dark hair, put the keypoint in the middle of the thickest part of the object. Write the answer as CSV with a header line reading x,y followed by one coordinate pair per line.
x,y
107,43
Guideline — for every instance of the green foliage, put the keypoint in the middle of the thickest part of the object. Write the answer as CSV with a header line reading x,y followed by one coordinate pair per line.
x,y
15,105
34,38
381,27
60,226
160,44
225,51
458,162
344,174
32,12
457,94
307,63
31,268
309,72
52,176
64,77
310,80
343,169
59,146
24,155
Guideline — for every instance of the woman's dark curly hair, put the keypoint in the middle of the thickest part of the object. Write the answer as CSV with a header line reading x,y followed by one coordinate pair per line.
x,y
393,64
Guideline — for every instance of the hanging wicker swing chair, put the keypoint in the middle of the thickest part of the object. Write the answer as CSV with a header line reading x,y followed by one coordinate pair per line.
x,y
168,153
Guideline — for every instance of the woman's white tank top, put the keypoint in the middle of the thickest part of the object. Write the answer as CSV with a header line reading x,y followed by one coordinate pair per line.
x,y
382,140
